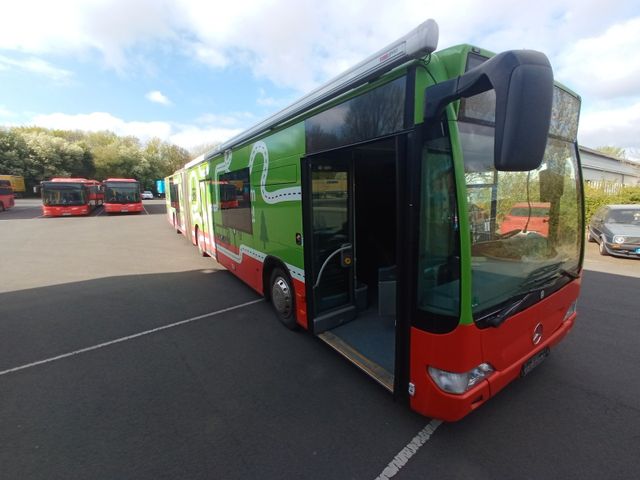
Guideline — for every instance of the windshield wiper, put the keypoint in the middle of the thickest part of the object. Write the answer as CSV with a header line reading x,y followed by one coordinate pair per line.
x,y
535,285
552,271
499,316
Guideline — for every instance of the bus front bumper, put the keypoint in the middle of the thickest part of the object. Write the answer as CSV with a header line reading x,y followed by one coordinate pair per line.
x,y
122,207
431,401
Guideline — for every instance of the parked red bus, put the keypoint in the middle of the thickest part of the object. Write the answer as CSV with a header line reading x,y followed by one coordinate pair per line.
x,y
63,197
96,192
122,195
6,195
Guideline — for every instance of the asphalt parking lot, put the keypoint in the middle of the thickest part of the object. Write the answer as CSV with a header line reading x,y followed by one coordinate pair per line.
x,y
124,354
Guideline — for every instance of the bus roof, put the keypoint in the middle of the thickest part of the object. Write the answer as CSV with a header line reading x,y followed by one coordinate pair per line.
x,y
69,180
131,180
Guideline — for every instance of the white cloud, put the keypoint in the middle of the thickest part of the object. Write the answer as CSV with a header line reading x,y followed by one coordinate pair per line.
x,y
36,65
230,120
616,126
189,136
4,113
98,121
297,44
184,135
79,27
605,66
265,101
156,96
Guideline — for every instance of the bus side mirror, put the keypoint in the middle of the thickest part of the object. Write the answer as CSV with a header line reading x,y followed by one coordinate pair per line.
x,y
523,83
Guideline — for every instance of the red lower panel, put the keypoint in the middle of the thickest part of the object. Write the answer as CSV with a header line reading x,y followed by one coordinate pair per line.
x,y
250,270
60,211
467,347
301,304
122,207
458,351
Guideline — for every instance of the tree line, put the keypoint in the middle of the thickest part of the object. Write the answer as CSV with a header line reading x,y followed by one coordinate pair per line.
x,y
39,154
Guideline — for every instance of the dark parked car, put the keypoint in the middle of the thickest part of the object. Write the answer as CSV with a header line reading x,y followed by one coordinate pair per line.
x,y
617,229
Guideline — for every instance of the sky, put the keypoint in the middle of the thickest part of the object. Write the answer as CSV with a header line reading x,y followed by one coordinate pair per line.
x,y
196,72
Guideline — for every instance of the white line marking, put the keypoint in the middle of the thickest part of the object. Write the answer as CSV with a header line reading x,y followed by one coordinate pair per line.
x,y
145,210
129,337
401,459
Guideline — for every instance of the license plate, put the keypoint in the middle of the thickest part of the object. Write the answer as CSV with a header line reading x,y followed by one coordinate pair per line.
x,y
66,214
124,210
534,361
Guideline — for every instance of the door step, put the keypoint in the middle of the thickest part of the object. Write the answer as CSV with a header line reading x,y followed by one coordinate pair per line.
x,y
368,366
334,318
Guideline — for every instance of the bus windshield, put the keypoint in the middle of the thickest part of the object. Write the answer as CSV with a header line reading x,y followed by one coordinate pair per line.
x,y
526,227
122,193
61,194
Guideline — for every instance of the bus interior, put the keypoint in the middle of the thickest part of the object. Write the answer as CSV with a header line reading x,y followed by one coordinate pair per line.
x,y
354,208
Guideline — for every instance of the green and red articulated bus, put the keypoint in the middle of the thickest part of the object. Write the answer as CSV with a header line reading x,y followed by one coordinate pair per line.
x,y
370,213
63,197
122,195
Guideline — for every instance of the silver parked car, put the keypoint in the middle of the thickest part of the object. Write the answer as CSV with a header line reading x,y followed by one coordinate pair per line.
x,y
147,195
617,229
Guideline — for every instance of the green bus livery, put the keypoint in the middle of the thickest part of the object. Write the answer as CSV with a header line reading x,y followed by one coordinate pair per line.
x,y
370,213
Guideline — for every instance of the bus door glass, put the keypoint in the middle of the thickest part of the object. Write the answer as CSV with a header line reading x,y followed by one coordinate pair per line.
x,y
332,234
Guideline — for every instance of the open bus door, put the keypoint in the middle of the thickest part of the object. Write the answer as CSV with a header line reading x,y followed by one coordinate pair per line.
x,y
330,243
350,214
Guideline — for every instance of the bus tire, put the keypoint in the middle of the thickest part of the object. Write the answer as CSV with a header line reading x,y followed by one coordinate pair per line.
x,y
1,207
283,298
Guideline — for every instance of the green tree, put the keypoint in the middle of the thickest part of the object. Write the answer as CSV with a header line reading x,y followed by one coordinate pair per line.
x,y
160,159
51,156
38,153
13,153
612,151
202,149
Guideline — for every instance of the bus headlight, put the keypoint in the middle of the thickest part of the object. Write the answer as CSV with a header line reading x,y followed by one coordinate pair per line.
x,y
619,239
459,383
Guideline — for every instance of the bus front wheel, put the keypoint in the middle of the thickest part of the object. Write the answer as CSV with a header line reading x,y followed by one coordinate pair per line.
x,y
282,298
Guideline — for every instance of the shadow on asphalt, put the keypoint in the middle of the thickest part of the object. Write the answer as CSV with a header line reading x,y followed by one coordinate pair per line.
x,y
73,315
231,396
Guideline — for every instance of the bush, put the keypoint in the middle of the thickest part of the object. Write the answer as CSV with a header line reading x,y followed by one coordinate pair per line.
x,y
596,197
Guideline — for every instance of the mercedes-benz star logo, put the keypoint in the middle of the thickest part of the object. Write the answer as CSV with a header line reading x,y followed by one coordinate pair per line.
x,y
537,334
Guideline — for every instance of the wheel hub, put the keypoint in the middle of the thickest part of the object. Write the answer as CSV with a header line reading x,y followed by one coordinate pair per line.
x,y
281,297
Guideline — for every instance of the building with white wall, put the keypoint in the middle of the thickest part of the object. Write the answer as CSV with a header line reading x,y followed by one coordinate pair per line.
x,y
599,167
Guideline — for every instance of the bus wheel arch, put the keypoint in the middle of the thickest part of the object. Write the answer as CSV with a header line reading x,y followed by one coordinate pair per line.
x,y
279,290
